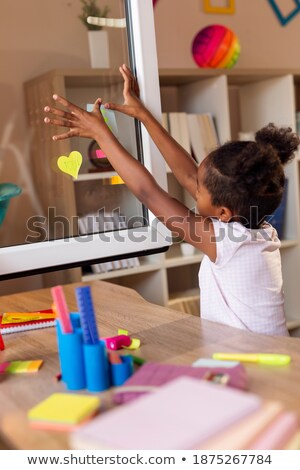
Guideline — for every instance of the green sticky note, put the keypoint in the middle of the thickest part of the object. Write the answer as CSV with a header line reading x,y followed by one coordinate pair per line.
x,y
13,367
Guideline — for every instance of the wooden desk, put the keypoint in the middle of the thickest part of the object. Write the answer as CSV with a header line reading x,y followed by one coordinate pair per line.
x,y
166,335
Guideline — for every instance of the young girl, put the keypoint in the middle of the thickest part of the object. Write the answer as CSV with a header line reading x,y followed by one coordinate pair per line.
x,y
235,188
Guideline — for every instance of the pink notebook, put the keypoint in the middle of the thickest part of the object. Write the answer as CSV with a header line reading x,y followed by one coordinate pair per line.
x,y
154,374
180,415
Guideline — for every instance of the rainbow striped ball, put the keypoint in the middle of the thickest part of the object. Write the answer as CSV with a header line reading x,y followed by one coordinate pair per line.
x,y
216,47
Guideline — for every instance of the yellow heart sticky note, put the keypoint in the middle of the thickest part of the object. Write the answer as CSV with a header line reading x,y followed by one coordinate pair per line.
x,y
71,164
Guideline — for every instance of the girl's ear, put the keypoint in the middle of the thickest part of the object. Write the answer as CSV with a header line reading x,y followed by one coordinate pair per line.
x,y
225,214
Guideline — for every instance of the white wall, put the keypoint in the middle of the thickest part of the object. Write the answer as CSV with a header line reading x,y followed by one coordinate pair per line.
x,y
265,43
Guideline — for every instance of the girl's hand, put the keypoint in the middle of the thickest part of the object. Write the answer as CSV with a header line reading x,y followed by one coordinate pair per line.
x,y
132,105
80,123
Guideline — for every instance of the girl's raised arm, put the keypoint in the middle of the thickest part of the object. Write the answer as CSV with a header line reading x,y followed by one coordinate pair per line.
x,y
179,160
178,218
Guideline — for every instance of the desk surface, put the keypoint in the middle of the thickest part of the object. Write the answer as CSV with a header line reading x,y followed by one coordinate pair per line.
x,y
166,335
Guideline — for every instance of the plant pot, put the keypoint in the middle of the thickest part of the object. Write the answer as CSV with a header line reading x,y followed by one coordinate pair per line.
x,y
99,49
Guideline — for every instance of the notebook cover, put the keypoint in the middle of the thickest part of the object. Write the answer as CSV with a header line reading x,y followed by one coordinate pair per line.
x,y
179,415
155,374
14,327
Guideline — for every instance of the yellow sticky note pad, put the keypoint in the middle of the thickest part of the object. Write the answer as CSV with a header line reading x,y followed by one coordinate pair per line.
x,y
23,367
13,367
66,408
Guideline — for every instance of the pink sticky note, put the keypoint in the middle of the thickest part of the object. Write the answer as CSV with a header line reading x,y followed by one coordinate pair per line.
x,y
100,154
3,367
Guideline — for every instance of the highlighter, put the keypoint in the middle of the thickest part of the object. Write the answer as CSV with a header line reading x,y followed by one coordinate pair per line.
x,y
268,359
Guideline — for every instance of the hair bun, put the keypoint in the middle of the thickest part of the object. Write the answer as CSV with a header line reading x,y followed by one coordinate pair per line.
x,y
255,166
283,140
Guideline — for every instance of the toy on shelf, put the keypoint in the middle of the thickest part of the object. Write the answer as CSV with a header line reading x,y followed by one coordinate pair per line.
x,y
216,46
83,355
228,9
7,191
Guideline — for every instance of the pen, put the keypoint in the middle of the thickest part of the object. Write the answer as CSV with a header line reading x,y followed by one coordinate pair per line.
x,y
269,359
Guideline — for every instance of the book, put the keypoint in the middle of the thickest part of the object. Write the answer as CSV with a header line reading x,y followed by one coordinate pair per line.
x,y
196,137
63,411
241,434
184,131
165,124
294,442
179,130
180,415
278,216
207,135
212,131
13,322
278,433
100,222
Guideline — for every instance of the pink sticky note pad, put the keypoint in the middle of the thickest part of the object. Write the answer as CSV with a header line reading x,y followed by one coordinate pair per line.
x,y
3,367
100,154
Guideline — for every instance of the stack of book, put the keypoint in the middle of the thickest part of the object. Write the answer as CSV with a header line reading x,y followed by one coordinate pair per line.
x,y
188,413
100,222
196,133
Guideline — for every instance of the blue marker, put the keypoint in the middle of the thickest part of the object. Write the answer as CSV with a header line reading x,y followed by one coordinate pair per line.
x,y
87,315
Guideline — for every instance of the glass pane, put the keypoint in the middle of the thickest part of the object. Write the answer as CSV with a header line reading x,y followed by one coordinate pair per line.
x,y
57,204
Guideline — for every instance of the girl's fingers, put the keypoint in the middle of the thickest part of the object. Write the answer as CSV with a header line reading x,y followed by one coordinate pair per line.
x,y
64,136
132,81
97,105
59,112
114,106
59,122
126,81
67,104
